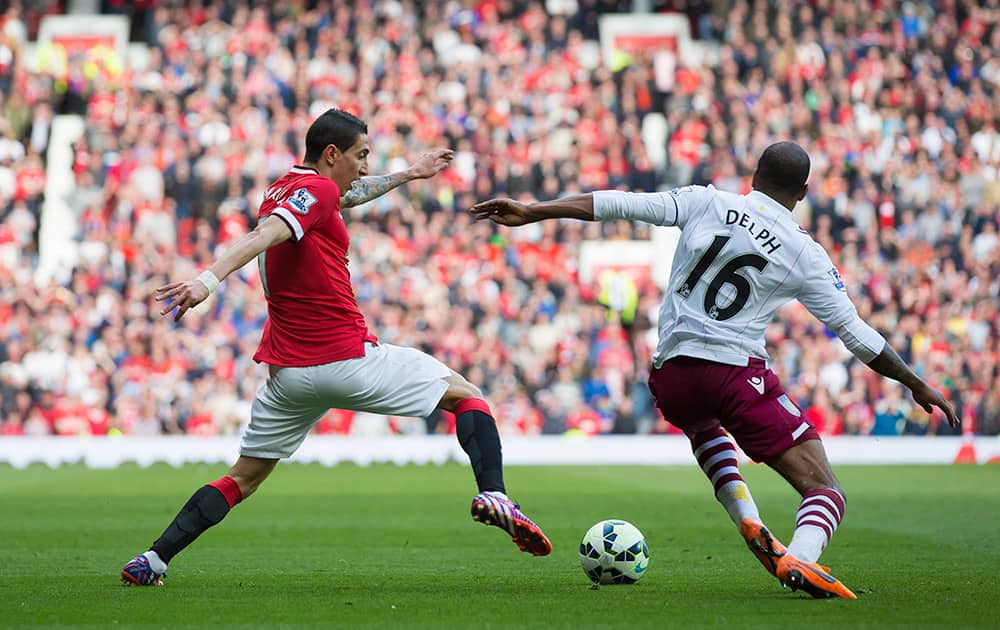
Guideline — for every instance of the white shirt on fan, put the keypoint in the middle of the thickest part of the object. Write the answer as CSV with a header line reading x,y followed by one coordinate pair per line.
x,y
739,258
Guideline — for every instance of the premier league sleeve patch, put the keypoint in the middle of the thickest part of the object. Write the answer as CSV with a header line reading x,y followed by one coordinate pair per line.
x,y
300,201
838,282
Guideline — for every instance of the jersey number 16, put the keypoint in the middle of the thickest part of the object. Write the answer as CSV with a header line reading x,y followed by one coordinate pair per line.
x,y
726,275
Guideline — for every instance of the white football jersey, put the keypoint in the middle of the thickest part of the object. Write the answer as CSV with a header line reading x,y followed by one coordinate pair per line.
x,y
739,258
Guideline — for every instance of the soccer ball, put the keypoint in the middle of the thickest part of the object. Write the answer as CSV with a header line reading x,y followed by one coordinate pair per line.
x,y
614,552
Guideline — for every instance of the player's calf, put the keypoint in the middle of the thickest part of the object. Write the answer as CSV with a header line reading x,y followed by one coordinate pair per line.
x,y
206,507
477,433
716,455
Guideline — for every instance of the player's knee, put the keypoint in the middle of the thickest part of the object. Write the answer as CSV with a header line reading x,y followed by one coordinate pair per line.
x,y
250,473
471,391
459,389
248,484
460,401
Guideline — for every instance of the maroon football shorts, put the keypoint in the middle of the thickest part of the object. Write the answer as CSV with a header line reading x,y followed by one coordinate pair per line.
x,y
697,395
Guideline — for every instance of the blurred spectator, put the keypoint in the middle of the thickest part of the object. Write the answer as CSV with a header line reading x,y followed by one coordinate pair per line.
x,y
891,412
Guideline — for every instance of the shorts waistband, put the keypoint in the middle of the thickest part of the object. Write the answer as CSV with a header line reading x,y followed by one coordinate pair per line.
x,y
752,362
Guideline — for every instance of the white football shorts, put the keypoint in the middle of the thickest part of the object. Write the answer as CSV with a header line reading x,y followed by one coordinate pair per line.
x,y
390,380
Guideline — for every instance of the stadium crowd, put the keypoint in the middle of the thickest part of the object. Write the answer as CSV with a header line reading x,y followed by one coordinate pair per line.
x,y
898,103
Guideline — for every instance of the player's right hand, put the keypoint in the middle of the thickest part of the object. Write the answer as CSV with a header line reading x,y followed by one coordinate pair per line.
x,y
503,212
928,398
431,163
181,296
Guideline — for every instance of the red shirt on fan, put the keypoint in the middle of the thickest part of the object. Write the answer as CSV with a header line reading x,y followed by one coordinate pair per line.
x,y
313,315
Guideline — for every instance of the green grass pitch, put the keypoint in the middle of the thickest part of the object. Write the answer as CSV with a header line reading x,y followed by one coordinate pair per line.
x,y
394,547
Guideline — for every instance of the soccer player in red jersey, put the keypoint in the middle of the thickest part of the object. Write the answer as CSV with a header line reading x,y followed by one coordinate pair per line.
x,y
319,351
739,258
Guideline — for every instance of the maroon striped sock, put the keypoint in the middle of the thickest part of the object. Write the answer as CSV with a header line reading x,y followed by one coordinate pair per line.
x,y
716,454
818,517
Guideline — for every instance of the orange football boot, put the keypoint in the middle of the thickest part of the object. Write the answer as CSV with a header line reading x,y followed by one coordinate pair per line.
x,y
763,544
811,578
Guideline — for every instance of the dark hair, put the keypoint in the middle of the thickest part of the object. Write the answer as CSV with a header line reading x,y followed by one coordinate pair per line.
x,y
336,127
784,166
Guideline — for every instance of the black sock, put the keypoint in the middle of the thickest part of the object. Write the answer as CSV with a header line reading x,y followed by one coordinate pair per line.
x,y
477,433
206,507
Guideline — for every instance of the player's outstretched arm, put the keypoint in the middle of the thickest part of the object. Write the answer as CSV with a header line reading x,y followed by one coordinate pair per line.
x,y
602,205
825,296
367,188
189,293
514,213
890,364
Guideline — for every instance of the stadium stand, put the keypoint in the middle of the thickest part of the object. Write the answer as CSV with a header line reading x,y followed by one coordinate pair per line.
x,y
898,104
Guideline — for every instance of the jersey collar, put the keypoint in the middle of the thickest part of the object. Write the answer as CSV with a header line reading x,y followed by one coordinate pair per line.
x,y
757,197
298,169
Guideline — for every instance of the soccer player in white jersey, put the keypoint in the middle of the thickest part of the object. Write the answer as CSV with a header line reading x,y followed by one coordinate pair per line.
x,y
319,352
740,257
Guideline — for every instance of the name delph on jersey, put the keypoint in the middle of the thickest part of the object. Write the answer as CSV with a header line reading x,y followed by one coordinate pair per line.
x,y
744,220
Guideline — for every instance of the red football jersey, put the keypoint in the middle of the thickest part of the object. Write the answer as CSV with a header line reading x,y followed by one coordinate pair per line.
x,y
313,315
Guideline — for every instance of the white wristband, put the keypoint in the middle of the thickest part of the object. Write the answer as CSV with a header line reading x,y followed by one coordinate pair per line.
x,y
210,281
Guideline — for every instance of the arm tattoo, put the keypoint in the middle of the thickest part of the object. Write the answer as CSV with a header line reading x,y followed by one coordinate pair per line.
x,y
368,188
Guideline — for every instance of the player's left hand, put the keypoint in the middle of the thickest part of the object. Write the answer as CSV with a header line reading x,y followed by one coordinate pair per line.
x,y
503,212
431,163
928,398
181,296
